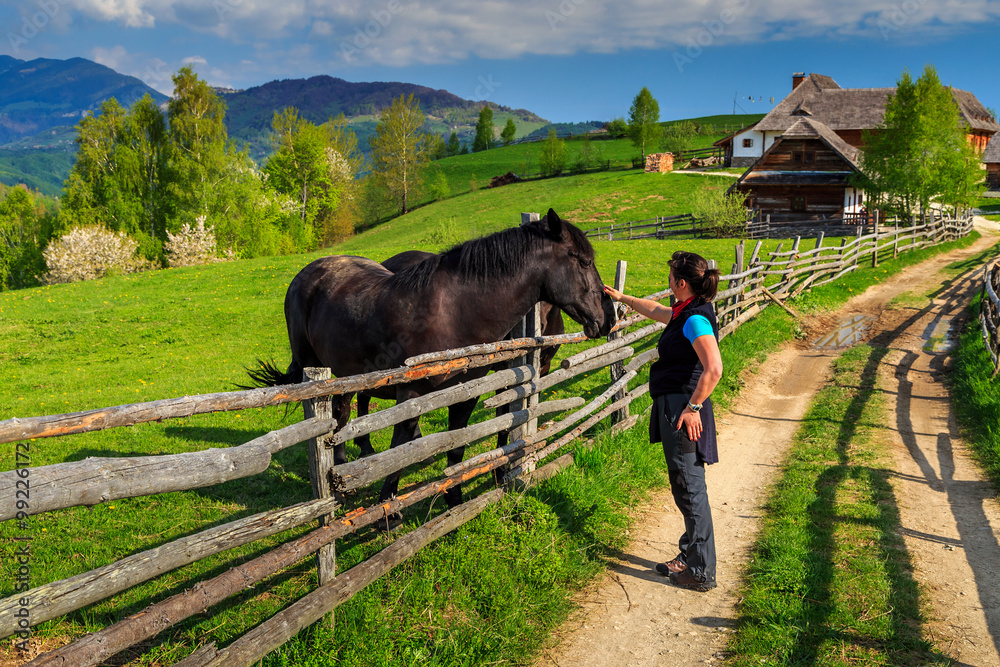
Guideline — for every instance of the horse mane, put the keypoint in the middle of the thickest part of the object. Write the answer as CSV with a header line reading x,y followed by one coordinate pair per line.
x,y
488,258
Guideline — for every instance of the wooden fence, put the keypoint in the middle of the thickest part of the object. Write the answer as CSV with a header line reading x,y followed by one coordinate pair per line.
x,y
989,313
651,228
750,286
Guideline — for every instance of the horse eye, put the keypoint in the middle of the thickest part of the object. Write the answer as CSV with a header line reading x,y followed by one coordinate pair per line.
x,y
586,263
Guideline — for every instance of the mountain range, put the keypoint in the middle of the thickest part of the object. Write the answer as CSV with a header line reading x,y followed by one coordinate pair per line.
x,y
42,94
42,100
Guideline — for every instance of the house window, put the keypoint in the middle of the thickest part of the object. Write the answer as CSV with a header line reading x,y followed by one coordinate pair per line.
x,y
748,143
803,157
798,203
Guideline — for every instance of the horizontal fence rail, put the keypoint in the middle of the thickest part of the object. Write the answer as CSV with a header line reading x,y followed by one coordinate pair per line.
x,y
754,282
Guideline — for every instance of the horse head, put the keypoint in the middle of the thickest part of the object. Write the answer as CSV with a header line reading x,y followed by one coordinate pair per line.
x,y
572,281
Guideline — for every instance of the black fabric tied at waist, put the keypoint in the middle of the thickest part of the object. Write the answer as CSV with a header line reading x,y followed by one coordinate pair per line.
x,y
663,424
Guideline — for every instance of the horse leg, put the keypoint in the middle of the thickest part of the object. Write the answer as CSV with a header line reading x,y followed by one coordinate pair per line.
x,y
364,442
342,413
459,415
402,433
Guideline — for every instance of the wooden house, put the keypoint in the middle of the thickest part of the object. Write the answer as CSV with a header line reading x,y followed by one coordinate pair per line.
x,y
848,112
992,160
805,173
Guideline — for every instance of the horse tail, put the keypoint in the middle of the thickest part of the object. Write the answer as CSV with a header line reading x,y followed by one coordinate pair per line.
x,y
268,375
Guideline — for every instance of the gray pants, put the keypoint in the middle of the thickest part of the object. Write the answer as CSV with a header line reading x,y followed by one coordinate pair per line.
x,y
687,483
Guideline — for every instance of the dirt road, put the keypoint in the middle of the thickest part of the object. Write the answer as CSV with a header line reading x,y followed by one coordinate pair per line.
x,y
950,517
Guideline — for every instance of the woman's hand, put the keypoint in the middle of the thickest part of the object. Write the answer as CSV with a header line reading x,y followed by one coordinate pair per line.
x,y
613,293
691,422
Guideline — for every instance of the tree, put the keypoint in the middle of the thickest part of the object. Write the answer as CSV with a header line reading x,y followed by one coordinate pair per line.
x,y
508,132
552,160
117,180
484,130
197,161
25,227
643,121
454,146
679,137
919,151
398,150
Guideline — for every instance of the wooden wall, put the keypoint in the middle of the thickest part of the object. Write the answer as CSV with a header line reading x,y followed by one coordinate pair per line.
x,y
993,175
817,156
816,200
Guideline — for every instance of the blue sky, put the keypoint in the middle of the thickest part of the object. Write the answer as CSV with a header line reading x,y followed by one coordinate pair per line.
x,y
567,60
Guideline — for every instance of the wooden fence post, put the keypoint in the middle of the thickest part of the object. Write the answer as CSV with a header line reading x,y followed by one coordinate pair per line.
x,y
618,368
320,463
529,326
895,239
875,245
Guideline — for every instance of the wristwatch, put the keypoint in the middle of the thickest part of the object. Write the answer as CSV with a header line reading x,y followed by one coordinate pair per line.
x,y
695,407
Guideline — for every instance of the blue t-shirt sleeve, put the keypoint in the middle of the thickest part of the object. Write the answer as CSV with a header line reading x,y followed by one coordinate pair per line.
x,y
696,326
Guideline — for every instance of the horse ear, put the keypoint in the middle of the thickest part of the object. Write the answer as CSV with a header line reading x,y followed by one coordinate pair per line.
x,y
555,224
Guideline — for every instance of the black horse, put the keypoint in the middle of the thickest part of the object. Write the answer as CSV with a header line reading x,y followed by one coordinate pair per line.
x,y
551,323
354,316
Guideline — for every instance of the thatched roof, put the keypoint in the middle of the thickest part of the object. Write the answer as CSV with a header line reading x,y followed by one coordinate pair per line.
x,y
992,153
820,97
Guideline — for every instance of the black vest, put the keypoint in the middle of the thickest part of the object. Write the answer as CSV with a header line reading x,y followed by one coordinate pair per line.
x,y
678,369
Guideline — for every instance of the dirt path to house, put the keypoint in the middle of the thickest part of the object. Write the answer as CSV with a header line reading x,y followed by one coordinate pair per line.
x,y
950,517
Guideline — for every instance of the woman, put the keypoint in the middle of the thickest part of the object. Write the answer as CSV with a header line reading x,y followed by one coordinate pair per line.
x,y
680,382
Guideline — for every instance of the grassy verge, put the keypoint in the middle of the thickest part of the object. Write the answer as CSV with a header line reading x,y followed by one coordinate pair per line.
x,y
830,581
975,393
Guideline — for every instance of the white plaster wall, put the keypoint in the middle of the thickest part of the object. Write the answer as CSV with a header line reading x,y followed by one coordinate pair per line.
x,y
755,151
854,200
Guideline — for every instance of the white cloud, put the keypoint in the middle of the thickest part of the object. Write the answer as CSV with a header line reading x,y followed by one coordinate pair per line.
x,y
115,57
406,32
194,60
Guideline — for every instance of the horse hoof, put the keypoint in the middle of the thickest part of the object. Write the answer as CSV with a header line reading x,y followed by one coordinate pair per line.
x,y
390,523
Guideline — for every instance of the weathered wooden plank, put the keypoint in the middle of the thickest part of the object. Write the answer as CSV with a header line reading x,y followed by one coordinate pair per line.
x,y
97,647
138,413
96,480
355,474
54,599
555,377
432,401
523,343
604,348
527,463
274,632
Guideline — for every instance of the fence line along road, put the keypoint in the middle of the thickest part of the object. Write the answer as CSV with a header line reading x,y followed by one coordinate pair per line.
x,y
754,282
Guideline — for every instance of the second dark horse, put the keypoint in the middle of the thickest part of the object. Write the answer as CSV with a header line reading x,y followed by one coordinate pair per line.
x,y
551,325
354,316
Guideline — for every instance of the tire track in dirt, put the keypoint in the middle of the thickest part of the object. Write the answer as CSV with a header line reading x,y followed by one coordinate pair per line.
x,y
633,617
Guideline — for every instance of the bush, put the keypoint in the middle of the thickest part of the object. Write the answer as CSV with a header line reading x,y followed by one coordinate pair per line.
x,y
679,137
86,253
552,161
725,215
193,245
618,128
